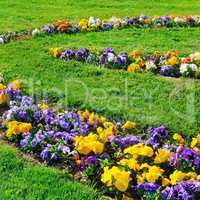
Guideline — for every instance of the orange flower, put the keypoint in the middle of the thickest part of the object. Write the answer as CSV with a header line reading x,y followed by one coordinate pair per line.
x,y
134,54
186,60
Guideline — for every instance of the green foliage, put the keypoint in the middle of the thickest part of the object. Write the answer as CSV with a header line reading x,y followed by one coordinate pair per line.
x,y
22,180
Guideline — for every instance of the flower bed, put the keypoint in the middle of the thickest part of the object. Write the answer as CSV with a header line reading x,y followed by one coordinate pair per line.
x,y
96,24
169,64
155,164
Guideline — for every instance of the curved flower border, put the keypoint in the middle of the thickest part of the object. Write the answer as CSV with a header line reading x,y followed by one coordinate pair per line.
x,y
124,163
95,24
169,64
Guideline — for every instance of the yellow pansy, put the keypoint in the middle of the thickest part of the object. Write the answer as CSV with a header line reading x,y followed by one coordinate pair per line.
x,y
139,150
178,138
191,176
43,106
16,128
131,163
2,86
134,54
2,98
129,125
134,67
55,52
171,61
106,177
86,144
134,150
146,151
177,176
140,179
165,182
161,156
195,141
153,174
16,85
116,177
197,56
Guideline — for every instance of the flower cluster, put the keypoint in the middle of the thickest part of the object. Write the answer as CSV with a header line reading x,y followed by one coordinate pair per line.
x,y
114,155
96,24
169,64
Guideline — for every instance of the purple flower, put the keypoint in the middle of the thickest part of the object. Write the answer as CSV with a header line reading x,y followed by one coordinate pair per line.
x,y
67,54
48,29
45,153
106,26
148,187
167,71
82,54
128,140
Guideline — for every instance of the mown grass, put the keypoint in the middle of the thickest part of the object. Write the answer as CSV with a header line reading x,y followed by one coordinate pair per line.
x,y
146,98
22,180
22,14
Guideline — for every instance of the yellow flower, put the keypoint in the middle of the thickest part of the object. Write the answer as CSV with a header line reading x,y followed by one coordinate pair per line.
x,y
129,125
132,164
177,176
165,182
2,86
134,150
134,54
86,144
83,24
105,133
146,151
153,174
16,85
116,177
122,179
97,147
197,56
191,176
117,24
195,141
2,98
171,61
16,128
140,179
178,138
25,127
139,150
43,106
55,52
133,67
161,156
106,177
144,165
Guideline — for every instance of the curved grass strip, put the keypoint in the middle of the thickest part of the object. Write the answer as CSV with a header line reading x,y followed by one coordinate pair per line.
x,y
95,24
169,64
113,155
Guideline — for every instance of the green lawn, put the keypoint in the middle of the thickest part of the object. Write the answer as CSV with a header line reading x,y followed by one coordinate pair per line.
x,y
22,180
145,98
23,14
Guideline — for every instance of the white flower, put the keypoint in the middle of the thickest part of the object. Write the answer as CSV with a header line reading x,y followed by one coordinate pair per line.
x,y
1,41
183,68
91,21
35,32
179,19
150,65
111,57
193,67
